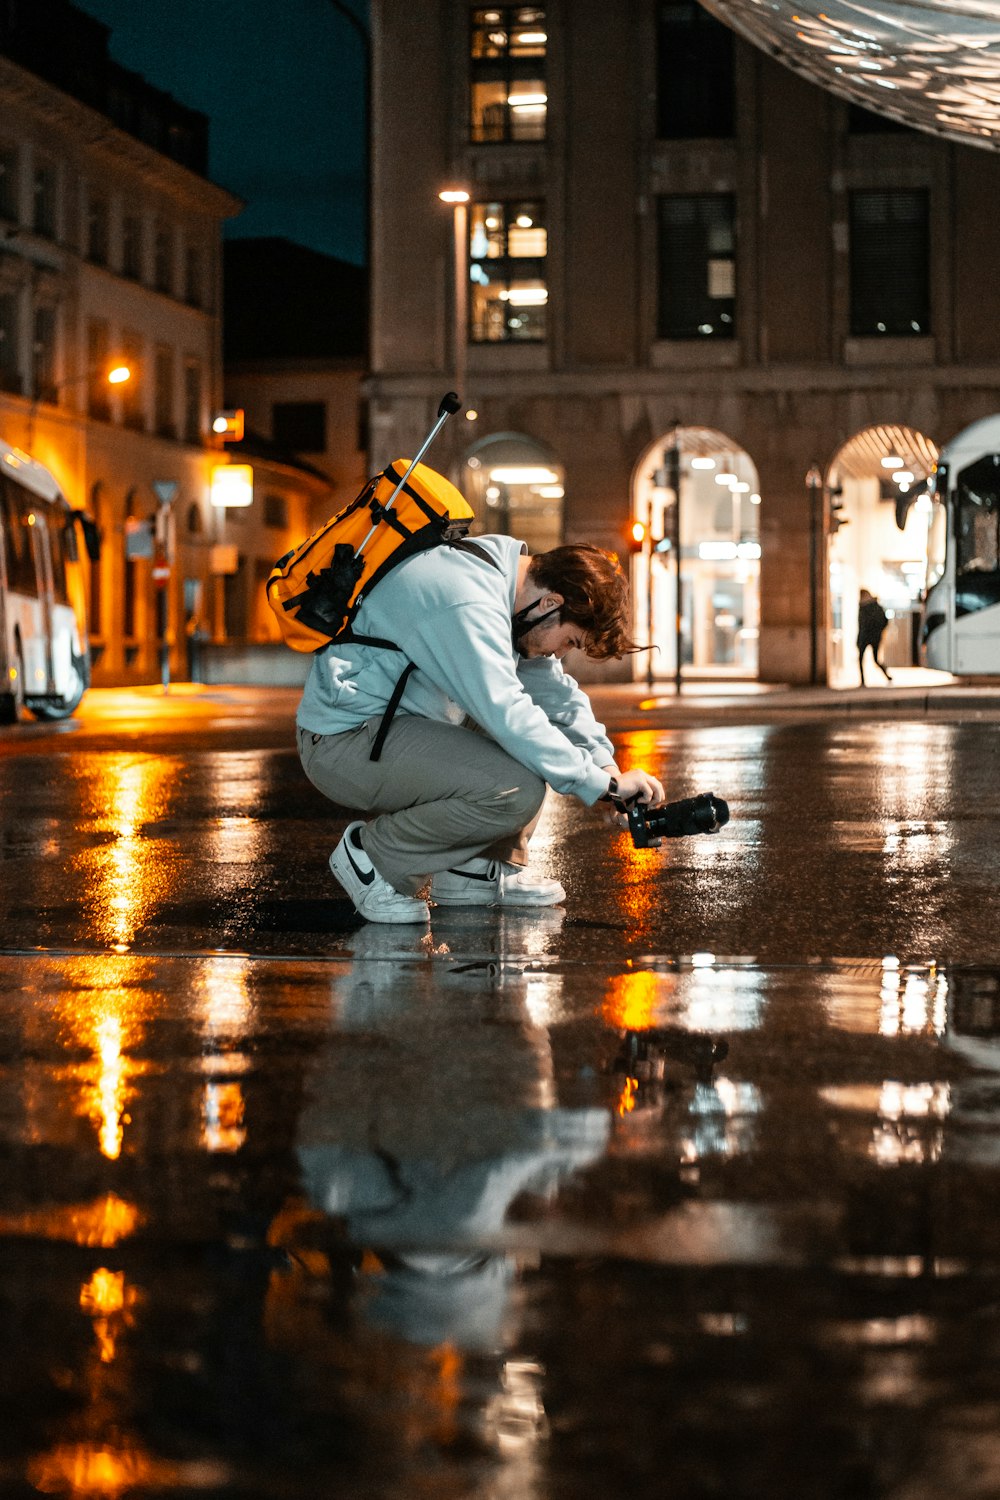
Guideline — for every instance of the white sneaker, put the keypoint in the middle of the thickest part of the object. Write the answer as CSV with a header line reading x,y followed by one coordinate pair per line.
x,y
489,882
372,895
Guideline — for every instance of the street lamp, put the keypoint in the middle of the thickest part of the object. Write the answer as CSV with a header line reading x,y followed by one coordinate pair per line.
x,y
458,197
114,374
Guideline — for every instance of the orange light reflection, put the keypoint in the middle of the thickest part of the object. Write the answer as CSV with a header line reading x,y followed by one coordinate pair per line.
x,y
124,876
101,1223
96,1469
631,1000
626,1099
108,1300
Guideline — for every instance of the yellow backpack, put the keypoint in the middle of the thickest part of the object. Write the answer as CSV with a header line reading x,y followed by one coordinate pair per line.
x,y
317,589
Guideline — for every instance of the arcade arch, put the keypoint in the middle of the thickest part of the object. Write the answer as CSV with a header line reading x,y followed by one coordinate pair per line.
x,y
514,486
877,480
719,617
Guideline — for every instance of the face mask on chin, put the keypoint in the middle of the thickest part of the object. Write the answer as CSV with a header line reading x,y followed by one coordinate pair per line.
x,y
520,625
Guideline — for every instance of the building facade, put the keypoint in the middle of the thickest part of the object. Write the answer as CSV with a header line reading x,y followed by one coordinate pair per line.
x,y
110,257
681,271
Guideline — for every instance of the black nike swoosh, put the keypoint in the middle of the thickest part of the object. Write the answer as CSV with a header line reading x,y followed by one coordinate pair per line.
x,y
366,877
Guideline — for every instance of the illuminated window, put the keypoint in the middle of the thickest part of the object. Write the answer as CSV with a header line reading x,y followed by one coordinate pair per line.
x,y
509,97
890,264
694,73
508,292
697,266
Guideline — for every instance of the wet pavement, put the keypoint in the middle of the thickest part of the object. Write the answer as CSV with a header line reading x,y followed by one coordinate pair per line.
x,y
687,1189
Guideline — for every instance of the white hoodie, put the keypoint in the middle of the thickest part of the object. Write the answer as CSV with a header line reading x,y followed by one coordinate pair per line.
x,y
450,613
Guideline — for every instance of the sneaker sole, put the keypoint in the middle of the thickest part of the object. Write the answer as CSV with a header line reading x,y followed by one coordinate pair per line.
x,y
500,905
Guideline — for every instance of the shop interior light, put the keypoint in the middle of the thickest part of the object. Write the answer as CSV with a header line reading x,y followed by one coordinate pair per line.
x,y
754,499
232,485
726,478
524,474
740,487
892,462
903,476
703,463
717,551
529,296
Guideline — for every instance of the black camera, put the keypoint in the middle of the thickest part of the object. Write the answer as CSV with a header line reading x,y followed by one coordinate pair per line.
x,y
705,813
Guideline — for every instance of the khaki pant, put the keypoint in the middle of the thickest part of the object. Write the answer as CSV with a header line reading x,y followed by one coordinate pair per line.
x,y
443,794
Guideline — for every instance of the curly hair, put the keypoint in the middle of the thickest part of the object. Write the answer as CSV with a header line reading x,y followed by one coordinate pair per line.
x,y
595,596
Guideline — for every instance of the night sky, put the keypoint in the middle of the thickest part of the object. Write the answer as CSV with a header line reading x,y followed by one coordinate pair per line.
x,y
283,86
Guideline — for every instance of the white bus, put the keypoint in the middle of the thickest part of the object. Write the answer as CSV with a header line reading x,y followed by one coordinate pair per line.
x,y
44,653
960,630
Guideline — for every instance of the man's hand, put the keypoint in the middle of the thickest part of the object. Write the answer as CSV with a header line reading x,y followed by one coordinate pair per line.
x,y
642,787
636,784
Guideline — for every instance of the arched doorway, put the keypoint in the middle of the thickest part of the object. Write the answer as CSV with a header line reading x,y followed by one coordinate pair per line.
x,y
514,486
879,513
718,624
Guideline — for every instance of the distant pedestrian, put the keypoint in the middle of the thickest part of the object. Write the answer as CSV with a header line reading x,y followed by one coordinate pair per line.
x,y
872,620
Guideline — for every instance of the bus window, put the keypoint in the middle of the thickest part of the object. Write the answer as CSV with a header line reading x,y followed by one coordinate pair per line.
x,y
62,543
977,536
978,519
15,509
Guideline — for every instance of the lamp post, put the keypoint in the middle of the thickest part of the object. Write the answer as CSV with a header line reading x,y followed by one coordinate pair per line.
x,y
814,484
458,197
672,464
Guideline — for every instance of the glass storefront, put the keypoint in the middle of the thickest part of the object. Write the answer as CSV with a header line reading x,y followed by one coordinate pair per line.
x,y
719,554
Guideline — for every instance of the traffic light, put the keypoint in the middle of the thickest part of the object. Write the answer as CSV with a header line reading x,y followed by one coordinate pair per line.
x,y
637,536
836,515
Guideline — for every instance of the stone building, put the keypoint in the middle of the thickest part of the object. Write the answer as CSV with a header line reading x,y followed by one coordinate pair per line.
x,y
678,261
110,255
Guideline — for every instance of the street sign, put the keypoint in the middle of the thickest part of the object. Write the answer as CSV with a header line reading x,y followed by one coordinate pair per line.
x,y
165,490
138,538
160,571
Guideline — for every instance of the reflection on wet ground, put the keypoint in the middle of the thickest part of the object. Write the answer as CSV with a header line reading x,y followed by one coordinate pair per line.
x,y
421,1220
685,1190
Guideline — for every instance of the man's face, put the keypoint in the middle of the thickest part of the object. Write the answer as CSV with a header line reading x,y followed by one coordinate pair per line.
x,y
552,638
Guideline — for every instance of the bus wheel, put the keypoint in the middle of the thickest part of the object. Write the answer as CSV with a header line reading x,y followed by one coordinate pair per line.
x,y
63,707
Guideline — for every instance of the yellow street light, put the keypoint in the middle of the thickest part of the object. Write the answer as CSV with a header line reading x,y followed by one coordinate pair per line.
x,y
119,374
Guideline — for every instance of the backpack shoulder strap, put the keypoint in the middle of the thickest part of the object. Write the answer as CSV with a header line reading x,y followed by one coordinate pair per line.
x,y
465,544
